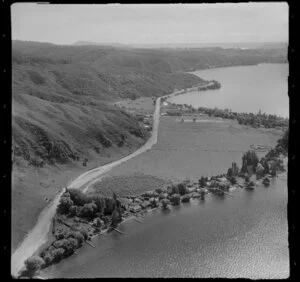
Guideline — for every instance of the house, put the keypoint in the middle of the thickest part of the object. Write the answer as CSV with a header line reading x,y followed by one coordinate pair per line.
x,y
135,208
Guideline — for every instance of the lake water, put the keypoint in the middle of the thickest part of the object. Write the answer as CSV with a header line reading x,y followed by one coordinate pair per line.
x,y
240,236
244,89
245,235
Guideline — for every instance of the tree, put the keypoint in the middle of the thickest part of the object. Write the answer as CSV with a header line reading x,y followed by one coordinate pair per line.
x,y
249,159
74,210
109,206
175,199
284,141
165,203
181,189
259,171
89,210
229,172
33,265
100,203
202,181
48,258
64,205
115,218
232,180
69,245
78,197
247,179
235,169
77,236
84,232
158,190
57,254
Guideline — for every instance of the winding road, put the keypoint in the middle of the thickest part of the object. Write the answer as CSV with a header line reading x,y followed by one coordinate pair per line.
x,y
39,234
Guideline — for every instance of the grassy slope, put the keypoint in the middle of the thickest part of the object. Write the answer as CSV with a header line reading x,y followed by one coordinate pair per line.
x,y
62,111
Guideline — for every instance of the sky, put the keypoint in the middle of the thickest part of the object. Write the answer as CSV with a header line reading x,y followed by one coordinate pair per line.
x,y
152,23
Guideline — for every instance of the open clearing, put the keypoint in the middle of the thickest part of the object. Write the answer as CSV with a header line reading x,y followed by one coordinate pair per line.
x,y
190,150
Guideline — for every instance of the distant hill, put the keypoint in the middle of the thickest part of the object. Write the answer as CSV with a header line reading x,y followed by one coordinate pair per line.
x,y
90,43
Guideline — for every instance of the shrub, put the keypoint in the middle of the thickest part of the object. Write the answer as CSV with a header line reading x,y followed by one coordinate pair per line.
x,y
33,265
185,198
175,199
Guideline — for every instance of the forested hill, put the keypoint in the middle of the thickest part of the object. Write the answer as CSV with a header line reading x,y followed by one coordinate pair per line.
x,y
60,93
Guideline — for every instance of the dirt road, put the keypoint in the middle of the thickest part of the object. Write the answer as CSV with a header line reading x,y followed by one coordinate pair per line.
x,y
38,235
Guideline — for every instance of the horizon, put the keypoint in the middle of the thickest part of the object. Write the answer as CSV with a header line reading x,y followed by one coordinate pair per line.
x,y
229,45
149,24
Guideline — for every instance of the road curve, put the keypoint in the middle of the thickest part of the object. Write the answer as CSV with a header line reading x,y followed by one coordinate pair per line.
x,y
38,235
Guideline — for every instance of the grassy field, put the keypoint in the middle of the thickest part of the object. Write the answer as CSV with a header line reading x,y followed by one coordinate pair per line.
x,y
131,184
143,105
191,150
33,188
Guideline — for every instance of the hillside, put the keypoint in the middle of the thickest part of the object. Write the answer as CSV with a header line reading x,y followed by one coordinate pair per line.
x,y
64,121
63,118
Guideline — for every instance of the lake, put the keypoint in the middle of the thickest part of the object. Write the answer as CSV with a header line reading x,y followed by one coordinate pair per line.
x,y
244,89
240,236
243,235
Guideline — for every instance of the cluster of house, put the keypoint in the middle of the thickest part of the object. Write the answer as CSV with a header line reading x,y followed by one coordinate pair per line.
x,y
145,120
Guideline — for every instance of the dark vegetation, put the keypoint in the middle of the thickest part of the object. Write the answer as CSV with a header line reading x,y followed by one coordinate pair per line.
x,y
253,120
84,209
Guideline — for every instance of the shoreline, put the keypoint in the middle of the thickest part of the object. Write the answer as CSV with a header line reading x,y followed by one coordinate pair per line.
x,y
201,192
168,95
17,266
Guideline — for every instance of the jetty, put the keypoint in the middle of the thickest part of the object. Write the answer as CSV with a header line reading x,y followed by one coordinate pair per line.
x,y
134,218
118,231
